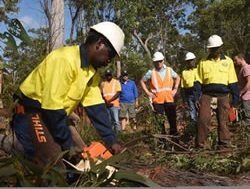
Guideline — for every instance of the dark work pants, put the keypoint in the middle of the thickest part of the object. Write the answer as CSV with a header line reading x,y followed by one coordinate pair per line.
x,y
169,109
37,141
204,121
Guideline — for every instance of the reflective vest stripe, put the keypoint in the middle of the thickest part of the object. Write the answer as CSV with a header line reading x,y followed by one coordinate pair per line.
x,y
108,94
155,79
169,76
162,87
157,89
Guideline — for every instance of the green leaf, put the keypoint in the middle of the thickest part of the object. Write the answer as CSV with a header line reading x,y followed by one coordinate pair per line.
x,y
5,161
9,40
7,171
56,178
37,170
16,28
24,182
111,161
246,163
131,176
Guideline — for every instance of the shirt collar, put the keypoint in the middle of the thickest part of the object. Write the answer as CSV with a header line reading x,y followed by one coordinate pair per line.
x,y
163,68
124,81
222,56
83,56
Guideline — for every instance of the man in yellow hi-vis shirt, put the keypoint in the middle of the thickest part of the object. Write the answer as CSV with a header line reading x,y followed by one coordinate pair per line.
x,y
217,78
66,77
188,85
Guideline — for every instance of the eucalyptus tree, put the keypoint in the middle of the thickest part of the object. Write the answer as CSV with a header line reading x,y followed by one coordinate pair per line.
x,y
151,26
148,26
54,11
9,52
6,8
228,18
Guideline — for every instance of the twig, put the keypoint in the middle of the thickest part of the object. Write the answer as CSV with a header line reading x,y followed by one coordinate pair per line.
x,y
133,142
167,138
208,152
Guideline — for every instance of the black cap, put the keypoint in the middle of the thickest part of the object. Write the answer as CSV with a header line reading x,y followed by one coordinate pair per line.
x,y
108,72
124,72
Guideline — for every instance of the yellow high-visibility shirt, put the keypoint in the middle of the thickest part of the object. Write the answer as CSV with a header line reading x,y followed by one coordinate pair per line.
x,y
219,71
59,81
188,77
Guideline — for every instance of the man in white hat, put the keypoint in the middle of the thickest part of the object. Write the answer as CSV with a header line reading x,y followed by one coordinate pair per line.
x,y
65,78
217,78
189,92
164,84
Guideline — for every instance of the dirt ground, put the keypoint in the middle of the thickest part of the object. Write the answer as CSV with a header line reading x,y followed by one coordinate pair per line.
x,y
170,177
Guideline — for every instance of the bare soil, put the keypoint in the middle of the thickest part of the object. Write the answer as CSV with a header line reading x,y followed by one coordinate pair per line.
x,y
170,177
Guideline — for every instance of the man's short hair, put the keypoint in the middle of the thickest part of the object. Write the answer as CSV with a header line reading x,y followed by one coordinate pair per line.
x,y
92,37
246,56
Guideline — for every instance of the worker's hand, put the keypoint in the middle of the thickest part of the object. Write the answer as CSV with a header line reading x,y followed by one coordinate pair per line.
x,y
116,148
75,117
73,155
197,104
150,94
136,104
173,92
109,104
242,93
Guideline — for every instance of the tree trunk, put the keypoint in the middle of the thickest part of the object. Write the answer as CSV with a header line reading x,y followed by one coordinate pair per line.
x,y
1,84
57,24
118,68
144,44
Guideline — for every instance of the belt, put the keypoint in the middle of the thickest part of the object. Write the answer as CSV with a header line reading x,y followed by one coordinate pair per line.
x,y
215,94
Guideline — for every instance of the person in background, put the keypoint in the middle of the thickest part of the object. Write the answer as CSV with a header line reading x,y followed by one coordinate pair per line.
x,y
67,77
217,78
164,82
128,100
189,93
111,89
244,84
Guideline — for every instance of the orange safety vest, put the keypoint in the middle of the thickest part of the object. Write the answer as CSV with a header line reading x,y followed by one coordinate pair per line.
x,y
109,90
162,88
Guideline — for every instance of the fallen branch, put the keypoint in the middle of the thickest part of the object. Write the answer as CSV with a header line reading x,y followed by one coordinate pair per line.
x,y
208,151
167,137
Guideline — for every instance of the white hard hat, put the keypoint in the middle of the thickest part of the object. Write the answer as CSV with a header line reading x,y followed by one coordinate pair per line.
x,y
113,34
190,56
158,56
214,41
